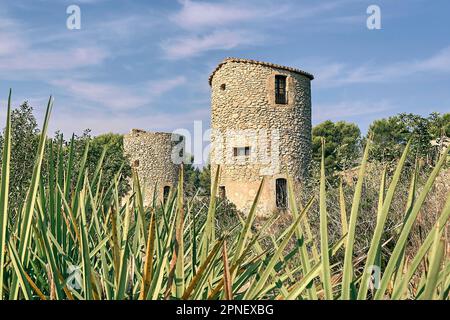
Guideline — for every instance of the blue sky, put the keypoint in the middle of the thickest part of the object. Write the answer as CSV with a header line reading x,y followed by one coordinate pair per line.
x,y
145,64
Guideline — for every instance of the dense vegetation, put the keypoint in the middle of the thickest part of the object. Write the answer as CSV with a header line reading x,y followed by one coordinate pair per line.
x,y
25,137
73,237
390,136
343,149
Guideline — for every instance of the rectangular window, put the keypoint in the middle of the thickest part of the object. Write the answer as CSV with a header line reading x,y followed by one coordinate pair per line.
x,y
241,151
280,89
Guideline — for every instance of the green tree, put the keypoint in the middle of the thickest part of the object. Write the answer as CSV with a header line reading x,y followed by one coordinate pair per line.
x,y
191,177
390,135
389,138
24,142
205,180
113,161
197,180
439,125
25,139
342,147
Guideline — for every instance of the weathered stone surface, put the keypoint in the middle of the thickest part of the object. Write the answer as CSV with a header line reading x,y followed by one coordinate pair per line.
x,y
243,99
150,154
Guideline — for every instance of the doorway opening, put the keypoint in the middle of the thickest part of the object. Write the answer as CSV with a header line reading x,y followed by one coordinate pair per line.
x,y
281,193
166,193
222,192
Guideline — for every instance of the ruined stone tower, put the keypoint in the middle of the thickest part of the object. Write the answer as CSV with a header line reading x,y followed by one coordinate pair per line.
x,y
261,126
155,156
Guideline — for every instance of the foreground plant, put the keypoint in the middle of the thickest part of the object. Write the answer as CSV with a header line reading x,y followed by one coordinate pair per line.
x,y
77,240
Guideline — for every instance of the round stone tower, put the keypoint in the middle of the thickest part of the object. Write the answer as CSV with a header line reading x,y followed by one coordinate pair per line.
x,y
261,126
156,156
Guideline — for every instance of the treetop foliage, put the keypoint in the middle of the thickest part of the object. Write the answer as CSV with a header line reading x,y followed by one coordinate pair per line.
x,y
25,139
344,142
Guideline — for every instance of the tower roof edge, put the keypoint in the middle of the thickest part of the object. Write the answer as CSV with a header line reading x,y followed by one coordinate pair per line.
x,y
267,64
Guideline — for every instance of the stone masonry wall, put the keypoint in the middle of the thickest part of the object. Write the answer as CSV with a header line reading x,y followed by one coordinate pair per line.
x,y
150,154
243,99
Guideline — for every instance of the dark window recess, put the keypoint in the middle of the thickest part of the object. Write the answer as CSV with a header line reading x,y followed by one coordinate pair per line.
x,y
241,151
222,192
223,86
281,193
136,163
166,193
280,90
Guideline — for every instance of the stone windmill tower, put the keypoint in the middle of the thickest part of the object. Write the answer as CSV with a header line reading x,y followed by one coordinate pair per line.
x,y
156,156
261,126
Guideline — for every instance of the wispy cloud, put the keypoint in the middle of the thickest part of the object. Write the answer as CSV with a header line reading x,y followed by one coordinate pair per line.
x,y
118,97
193,45
21,50
165,85
339,74
10,41
439,62
60,60
201,14
210,26
318,8
196,15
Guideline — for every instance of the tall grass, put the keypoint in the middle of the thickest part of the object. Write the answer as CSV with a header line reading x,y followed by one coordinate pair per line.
x,y
77,240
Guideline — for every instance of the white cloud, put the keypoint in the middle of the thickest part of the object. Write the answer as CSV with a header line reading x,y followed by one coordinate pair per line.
x,y
108,95
338,74
118,97
120,28
201,14
193,45
59,60
9,44
303,11
439,62
162,86
197,15
10,41
212,25
21,50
